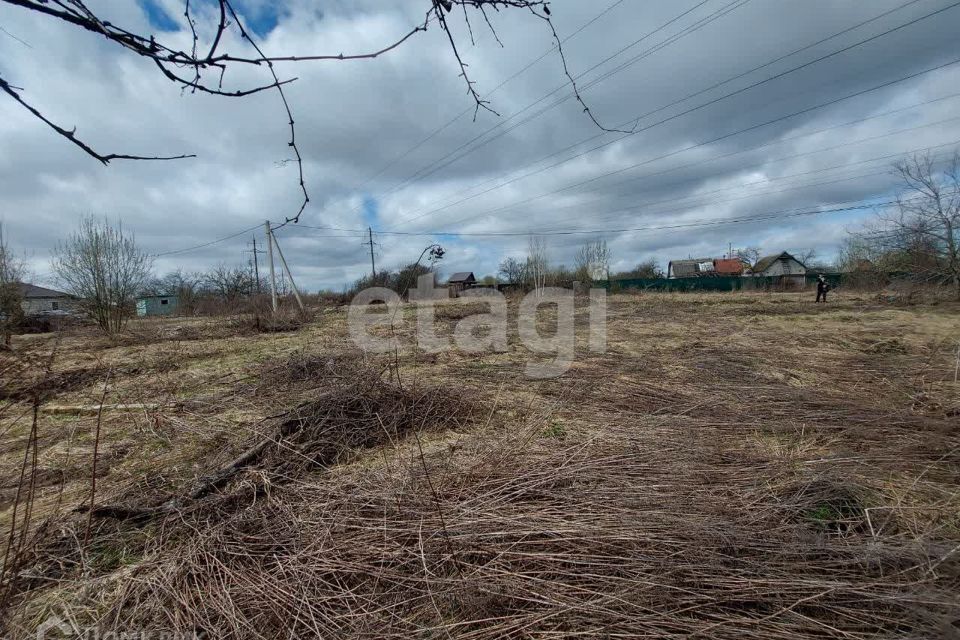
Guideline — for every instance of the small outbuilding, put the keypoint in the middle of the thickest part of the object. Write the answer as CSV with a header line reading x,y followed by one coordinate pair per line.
x,y
787,270
160,305
461,281
40,300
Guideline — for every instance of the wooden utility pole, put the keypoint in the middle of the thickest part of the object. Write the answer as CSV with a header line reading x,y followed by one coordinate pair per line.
x,y
283,261
273,276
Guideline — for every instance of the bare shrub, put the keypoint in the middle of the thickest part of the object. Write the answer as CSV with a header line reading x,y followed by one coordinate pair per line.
x,y
103,267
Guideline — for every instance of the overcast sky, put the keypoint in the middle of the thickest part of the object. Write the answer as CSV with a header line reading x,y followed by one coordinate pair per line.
x,y
391,142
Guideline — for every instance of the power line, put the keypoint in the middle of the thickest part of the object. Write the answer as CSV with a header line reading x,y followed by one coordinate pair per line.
x,y
692,95
799,155
359,233
466,111
672,153
432,168
701,223
689,111
688,206
724,97
717,14
206,244
797,137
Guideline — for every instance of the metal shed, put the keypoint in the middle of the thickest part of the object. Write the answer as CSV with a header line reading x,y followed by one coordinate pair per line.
x,y
157,305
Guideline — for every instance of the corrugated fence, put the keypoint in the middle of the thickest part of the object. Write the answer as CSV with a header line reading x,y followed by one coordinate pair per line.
x,y
717,283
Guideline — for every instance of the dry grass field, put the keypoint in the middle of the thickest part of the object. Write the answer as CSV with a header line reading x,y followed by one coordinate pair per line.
x,y
734,466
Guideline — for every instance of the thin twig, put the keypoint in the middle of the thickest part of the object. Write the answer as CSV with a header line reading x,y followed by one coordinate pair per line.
x,y
96,451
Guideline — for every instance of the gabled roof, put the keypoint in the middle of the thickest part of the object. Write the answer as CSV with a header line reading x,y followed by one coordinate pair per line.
x,y
462,276
731,266
680,268
688,267
764,263
33,291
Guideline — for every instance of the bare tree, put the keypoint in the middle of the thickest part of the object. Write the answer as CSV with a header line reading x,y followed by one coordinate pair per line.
x,y
203,67
102,266
647,269
592,261
11,298
230,283
513,271
538,262
807,256
925,226
921,233
750,255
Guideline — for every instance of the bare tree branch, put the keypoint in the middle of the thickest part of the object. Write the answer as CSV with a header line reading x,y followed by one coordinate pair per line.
x,y
573,83
71,135
170,60
286,106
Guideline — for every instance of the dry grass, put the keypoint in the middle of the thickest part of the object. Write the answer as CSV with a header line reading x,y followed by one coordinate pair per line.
x,y
734,466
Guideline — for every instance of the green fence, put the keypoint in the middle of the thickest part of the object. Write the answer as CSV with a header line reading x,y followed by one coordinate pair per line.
x,y
715,283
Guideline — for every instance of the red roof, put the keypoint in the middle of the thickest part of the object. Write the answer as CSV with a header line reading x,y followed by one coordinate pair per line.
x,y
728,266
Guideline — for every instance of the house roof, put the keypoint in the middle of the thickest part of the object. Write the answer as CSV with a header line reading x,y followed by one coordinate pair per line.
x,y
33,291
462,276
764,263
684,267
731,266
688,267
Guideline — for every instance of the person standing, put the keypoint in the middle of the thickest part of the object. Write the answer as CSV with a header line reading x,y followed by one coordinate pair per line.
x,y
822,288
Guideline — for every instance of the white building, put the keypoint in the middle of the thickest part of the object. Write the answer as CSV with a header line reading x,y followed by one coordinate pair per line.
x,y
42,300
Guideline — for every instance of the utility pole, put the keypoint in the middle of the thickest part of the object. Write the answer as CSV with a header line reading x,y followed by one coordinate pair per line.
x,y
373,265
283,261
273,276
256,262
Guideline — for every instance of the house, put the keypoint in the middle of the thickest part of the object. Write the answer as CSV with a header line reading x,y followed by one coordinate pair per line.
x,y
691,268
160,305
460,281
699,267
36,300
728,267
788,271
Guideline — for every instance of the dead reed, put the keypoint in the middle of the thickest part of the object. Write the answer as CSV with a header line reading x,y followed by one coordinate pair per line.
x,y
731,474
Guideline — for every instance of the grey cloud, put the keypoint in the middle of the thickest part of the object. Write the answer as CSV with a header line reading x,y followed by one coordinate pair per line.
x,y
353,119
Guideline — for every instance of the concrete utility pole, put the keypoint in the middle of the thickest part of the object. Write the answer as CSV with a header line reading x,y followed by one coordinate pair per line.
x,y
256,262
283,261
273,276
373,265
